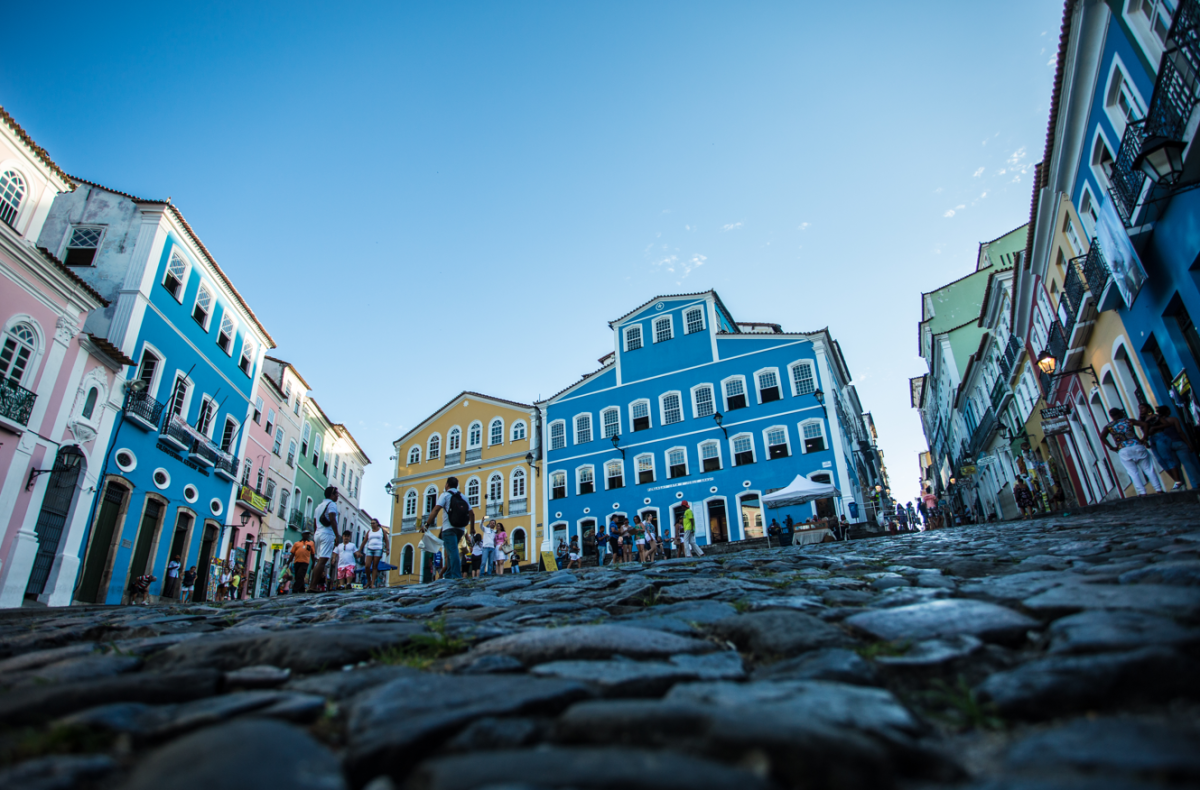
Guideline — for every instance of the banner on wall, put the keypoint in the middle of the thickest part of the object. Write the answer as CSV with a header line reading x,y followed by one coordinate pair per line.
x,y
1122,259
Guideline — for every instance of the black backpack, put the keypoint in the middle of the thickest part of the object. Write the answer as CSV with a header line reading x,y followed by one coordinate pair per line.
x,y
459,511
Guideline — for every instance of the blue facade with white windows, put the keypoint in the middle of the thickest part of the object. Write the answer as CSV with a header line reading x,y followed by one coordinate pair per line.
x,y
692,405
169,483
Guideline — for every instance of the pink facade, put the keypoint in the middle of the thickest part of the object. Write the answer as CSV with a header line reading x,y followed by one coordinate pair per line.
x,y
59,388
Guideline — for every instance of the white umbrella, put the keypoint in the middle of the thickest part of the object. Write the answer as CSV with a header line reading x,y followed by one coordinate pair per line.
x,y
800,491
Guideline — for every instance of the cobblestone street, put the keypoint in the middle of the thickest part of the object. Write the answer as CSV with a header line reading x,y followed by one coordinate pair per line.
x,y
1062,650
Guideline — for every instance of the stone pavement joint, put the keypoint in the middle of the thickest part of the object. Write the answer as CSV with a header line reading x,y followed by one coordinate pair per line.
x,y
1059,652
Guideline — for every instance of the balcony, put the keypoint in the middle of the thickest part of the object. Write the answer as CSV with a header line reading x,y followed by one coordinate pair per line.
x,y
227,467
1096,272
143,411
176,435
518,507
1176,92
495,509
983,433
296,520
1000,390
251,499
474,454
454,458
408,524
1009,357
203,453
16,405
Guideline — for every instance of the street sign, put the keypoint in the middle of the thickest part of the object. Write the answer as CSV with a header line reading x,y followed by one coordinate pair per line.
x,y
968,470
1056,427
549,561
1054,412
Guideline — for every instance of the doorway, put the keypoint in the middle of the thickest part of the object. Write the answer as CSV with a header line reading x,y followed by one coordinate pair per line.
x,y
718,528
56,505
152,517
112,507
752,516
202,573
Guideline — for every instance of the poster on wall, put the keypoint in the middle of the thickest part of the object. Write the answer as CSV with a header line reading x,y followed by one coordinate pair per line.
x,y
1122,259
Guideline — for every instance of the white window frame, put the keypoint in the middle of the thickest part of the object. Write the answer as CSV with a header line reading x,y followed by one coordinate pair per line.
x,y
758,384
604,423
554,475
492,478
512,431
1118,76
1097,171
212,303
725,390
687,466
514,476
206,400
474,443
186,406
411,497
156,378
687,323
183,281
649,413
563,424
237,426
453,439
662,407
429,452
787,440
1088,205
425,499
696,415
637,472
292,450
1142,28
22,199
575,426
246,358
474,499
492,433
670,326
625,332
800,433
619,462
416,448
733,447
700,453
792,376
228,316
579,470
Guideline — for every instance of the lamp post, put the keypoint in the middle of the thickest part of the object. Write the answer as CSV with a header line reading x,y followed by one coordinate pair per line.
x,y
820,396
718,419
1047,363
616,438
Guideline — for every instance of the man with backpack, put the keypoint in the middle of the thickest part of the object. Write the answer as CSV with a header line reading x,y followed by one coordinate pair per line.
x,y
456,515
326,536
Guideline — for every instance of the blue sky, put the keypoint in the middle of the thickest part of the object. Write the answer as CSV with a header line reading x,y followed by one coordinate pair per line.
x,y
418,199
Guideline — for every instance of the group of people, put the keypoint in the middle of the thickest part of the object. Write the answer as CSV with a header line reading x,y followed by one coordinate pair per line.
x,y
784,533
1161,434
335,565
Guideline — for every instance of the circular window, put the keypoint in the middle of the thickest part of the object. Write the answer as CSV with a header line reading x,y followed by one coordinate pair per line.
x,y
616,505
161,478
190,493
660,306
712,490
646,501
558,514
216,507
745,484
679,495
126,460
587,510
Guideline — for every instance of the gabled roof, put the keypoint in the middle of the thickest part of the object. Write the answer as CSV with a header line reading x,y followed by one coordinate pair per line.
x,y
72,276
109,349
646,304
287,364
337,426
33,147
199,245
438,412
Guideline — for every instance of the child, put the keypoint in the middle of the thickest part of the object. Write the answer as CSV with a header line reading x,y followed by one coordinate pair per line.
x,y
189,584
573,553
360,568
285,583
514,563
477,556
139,589
346,554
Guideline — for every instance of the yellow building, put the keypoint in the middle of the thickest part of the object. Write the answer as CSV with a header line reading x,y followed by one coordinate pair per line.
x,y
490,445
1093,349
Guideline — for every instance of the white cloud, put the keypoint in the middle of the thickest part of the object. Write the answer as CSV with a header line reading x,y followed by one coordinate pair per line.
x,y
949,213
731,226
977,173
960,207
666,211
687,227
1016,179
1001,172
1017,156
938,190
1052,61
802,226
982,196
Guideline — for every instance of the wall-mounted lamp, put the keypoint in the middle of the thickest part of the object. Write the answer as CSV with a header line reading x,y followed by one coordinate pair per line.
x,y
529,460
820,396
719,419
616,438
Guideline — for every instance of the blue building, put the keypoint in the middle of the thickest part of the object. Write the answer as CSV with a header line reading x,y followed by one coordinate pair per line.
x,y
167,485
694,405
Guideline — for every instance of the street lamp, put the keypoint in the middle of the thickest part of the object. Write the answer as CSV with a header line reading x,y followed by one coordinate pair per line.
x,y
718,419
820,396
529,461
616,438
1161,159
1047,363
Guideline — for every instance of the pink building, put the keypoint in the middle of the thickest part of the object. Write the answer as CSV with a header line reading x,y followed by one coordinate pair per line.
x,y
59,390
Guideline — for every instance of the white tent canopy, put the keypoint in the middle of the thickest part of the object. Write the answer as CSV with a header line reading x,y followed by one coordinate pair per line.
x,y
800,491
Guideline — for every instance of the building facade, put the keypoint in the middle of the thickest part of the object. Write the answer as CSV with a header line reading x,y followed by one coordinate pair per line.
x,y
60,387
491,446
693,405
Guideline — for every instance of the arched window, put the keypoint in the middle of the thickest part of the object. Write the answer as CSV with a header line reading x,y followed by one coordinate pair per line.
x,y
12,192
454,439
558,435
610,421
518,430
227,333
558,485
89,403
495,488
435,447
496,432
414,455
176,276
430,499
518,484
585,480
410,504
702,401
406,560
639,415
475,435
670,408
19,344
473,492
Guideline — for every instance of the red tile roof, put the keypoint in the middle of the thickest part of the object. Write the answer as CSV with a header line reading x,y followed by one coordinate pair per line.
x,y
109,349
36,149
72,276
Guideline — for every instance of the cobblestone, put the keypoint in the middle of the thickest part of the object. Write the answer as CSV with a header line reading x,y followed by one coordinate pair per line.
x,y
1062,652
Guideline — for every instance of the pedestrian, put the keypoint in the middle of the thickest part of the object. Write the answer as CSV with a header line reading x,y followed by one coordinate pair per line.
x,y
326,536
560,554
614,539
601,546
902,517
235,584
1131,449
140,589
223,584
437,565
456,516
638,531
345,552
285,583
476,554
514,563
189,584
302,552
573,553
843,529
929,503
786,530
774,531
651,538
487,559
1173,448
376,544
502,549
689,531
1024,498
171,585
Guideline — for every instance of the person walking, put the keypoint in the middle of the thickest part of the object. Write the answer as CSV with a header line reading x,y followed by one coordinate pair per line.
x,y
573,558
223,584
302,552
345,552
1024,497
476,554
1171,446
690,546
614,539
929,503
1130,449
502,549
171,583
235,584
189,584
325,537
786,530
376,544
456,516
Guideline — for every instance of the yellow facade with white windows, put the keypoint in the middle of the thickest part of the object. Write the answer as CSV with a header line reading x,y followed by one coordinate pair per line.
x,y
490,445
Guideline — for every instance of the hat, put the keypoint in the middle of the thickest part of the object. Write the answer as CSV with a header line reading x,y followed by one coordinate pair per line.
x,y
305,532
685,503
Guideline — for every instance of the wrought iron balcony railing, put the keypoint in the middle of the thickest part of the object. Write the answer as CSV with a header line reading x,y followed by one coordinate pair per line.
x,y
999,390
408,524
454,458
144,410
1074,287
175,434
982,433
227,467
16,402
203,453
1095,270
296,519
1009,357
